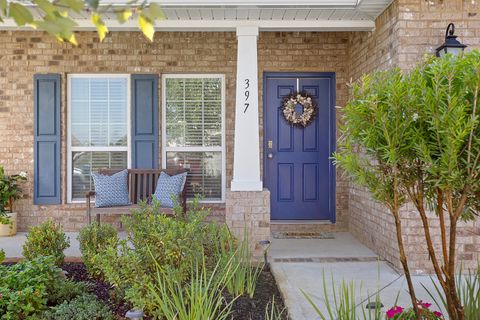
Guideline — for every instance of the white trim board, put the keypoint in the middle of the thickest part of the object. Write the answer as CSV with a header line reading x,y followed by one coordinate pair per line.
x,y
222,25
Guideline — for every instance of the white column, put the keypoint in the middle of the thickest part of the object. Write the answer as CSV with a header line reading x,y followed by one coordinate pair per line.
x,y
246,159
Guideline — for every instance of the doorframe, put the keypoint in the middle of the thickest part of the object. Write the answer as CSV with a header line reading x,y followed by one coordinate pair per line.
x,y
332,203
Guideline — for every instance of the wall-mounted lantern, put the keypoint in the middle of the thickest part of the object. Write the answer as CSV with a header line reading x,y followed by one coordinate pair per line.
x,y
451,44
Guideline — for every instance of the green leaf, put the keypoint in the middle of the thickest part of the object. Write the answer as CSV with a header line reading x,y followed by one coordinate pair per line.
x,y
20,14
75,5
100,25
123,15
146,26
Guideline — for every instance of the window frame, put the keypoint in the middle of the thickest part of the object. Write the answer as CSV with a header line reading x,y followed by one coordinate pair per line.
x,y
222,148
71,149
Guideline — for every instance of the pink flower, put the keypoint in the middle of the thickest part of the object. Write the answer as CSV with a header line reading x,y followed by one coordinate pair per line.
x,y
426,305
437,314
393,311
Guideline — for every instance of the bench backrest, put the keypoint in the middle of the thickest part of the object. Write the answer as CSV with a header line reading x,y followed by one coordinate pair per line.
x,y
143,182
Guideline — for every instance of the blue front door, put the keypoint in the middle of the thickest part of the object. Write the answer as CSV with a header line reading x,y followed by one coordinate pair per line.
x,y
298,170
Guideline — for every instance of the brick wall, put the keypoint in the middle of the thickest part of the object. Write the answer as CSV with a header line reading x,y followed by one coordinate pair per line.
x,y
25,53
404,33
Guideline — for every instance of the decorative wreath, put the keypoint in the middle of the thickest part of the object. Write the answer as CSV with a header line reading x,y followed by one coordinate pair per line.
x,y
299,119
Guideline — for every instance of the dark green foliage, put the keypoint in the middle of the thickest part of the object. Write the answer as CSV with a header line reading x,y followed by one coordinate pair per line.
x,y
94,239
65,290
175,243
83,307
46,239
25,287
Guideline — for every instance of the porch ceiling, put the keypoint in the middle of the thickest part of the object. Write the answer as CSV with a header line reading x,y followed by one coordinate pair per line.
x,y
268,15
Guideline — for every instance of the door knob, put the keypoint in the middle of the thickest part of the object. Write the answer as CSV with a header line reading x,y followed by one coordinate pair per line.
x,y
270,156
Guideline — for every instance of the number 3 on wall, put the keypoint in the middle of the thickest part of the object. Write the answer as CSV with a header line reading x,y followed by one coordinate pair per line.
x,y
247,94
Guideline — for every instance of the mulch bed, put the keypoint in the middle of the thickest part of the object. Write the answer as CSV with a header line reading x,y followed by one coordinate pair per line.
x,y
244,308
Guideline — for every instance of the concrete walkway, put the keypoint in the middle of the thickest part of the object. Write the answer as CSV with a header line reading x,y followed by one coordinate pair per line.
x,y
298,264
13,246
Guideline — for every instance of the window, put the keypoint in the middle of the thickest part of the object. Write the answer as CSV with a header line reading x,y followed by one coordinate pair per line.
x,y
193,131
98,130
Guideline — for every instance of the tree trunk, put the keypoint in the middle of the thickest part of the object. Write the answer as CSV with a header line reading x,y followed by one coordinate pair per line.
x,y
403,260
457,312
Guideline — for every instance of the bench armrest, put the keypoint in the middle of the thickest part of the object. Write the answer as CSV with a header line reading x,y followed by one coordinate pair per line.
x,y
89,194
88,197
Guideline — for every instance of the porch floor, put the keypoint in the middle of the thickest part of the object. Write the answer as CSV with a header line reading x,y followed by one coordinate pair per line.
x,y
298,264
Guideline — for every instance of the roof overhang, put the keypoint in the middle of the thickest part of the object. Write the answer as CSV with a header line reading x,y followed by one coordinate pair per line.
x,y
227,15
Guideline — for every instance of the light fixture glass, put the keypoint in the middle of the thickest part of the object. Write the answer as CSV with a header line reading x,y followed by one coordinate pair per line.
x,y
451,44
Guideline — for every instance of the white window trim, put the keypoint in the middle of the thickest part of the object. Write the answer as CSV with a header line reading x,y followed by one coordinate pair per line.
x,y
70,149
164,147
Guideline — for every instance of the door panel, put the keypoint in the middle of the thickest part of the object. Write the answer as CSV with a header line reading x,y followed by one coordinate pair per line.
x,y
299,173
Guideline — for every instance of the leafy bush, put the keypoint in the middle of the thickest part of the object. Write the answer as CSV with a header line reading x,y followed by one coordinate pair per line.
x,y
2,255
25,287
95,238
46,239
65,290
175,244
83,307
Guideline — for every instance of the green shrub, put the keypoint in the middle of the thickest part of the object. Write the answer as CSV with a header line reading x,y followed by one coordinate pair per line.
x,y
2,255
83,307
95,238
65,290
46,239
175,243
25,287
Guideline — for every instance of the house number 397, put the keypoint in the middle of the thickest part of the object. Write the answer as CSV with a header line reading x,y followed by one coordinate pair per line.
x,y
247,94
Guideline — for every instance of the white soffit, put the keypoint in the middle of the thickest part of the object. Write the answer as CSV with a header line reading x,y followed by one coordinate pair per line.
x,y
268,15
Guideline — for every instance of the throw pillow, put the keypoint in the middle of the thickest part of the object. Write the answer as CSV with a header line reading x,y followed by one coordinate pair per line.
x,y
111,191
169,188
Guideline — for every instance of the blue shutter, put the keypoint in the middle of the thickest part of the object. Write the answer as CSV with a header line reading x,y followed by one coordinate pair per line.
x,y
47,139
144,121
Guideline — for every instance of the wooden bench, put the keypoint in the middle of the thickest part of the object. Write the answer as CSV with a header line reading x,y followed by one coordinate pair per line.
x,y
141,186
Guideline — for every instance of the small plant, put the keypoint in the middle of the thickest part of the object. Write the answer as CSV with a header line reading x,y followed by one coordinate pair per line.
x,y
65,290
243,277
272,312
25,287
344,305
399,313
200,298
47,239
2,256
9,190
83,307
93,239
